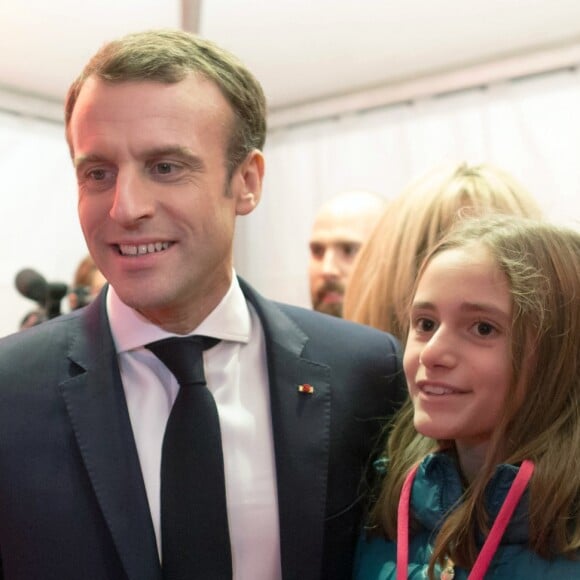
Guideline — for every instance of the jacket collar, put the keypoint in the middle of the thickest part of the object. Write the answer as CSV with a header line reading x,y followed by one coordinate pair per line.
x,y
438,488
95,403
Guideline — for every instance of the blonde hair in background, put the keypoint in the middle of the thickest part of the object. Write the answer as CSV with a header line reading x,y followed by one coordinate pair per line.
x,y
387,264
541,418
85,272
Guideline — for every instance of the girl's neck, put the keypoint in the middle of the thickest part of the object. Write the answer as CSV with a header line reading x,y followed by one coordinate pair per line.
x,y
471,457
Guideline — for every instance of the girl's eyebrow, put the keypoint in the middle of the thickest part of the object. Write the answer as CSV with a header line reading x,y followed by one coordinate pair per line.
x,y
469,307
484,308
422,306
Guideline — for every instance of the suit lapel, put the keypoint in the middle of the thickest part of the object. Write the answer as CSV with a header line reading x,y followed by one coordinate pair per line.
x,y
301,426
97,409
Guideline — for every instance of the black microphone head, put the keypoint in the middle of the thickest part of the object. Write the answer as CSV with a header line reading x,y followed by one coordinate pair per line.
x,y
31,285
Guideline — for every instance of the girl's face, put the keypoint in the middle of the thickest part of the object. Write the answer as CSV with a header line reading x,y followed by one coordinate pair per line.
x,y
457,358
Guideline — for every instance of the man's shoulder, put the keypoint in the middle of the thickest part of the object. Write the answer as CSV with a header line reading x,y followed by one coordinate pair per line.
x,y
311,322
317,321
344,344
43,340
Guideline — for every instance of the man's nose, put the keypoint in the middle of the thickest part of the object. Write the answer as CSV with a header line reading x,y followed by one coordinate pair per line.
x,y
331,264
133,201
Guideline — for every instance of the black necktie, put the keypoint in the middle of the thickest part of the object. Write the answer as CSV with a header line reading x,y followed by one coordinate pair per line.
x,y
194,522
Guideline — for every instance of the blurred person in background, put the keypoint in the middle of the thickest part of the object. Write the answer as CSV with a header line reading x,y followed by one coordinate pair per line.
x,y
32,318
340,228
87,282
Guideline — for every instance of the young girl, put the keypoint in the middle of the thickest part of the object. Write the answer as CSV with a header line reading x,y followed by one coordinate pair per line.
x,y
493,423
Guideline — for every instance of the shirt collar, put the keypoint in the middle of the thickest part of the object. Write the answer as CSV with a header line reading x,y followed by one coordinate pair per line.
x,y
230,320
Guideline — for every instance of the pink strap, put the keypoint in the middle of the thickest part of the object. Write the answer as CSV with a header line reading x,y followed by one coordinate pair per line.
x,y
403,525
493,539
501,522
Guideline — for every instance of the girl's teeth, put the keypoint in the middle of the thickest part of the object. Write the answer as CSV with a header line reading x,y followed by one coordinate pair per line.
x,y
436,390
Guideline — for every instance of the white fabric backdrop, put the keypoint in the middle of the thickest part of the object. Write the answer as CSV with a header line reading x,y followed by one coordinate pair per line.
x,y
38,220
530,127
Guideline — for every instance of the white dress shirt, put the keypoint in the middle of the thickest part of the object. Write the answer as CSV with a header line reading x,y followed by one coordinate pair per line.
x,y
236,374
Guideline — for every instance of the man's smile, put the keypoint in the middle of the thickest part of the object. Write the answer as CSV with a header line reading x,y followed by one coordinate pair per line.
x,y
142,249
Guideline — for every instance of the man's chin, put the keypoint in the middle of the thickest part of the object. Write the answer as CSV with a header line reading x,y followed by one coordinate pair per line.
x,y
332,308
140,299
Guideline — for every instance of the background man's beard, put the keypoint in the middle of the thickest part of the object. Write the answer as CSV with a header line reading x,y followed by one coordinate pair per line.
x,y
332,308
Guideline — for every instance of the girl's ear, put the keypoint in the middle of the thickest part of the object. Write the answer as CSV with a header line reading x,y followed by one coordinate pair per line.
x,y
247,182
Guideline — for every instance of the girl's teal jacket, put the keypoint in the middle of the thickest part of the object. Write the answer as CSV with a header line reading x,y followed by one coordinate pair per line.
x,y
436,489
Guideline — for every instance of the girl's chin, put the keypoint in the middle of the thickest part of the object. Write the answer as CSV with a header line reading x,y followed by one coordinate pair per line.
x,y
433,431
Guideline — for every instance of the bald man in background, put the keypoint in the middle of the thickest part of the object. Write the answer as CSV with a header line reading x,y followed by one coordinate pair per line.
x,y
341,226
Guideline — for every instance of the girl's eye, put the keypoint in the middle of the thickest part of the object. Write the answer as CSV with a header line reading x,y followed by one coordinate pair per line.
x,y
424,325
484,328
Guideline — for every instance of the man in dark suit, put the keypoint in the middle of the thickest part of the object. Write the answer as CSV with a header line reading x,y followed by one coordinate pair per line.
x,y
166,131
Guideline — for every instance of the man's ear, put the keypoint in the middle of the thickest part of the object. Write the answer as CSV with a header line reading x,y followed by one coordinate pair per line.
x,y
247,182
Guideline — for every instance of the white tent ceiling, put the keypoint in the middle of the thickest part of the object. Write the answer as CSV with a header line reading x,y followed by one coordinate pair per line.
x,y
303,51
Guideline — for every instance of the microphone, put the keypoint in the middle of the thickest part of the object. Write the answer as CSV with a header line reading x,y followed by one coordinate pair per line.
x,y
56,292
34,286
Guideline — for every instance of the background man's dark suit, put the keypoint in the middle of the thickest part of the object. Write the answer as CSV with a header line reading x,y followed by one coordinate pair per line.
x,y
72,500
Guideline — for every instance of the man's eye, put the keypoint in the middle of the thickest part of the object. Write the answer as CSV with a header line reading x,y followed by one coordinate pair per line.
x,y
163,168
97,174
316,251
350,250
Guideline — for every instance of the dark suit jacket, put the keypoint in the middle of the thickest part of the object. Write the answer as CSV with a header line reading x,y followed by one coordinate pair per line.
x,y
72,499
